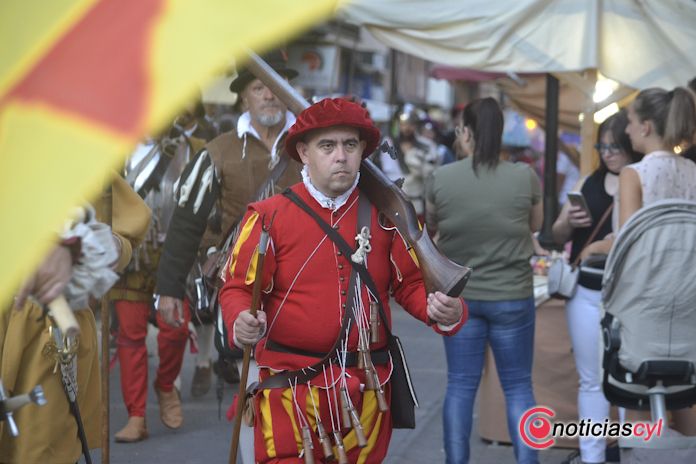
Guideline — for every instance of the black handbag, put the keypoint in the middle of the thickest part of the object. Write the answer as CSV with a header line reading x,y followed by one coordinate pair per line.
x,y
403,395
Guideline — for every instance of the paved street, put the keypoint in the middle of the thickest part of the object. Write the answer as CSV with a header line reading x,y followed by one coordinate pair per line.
x,y
205,439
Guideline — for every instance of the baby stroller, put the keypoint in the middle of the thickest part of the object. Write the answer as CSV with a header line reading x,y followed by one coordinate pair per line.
x,y
649,327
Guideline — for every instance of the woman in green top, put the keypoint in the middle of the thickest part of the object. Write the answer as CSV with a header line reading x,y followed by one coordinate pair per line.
x,y
485,209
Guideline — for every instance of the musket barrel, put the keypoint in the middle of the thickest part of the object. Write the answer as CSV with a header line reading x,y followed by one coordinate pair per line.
x,y
439,273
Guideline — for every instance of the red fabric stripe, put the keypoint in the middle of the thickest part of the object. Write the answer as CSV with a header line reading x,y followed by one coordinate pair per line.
x,y
98,69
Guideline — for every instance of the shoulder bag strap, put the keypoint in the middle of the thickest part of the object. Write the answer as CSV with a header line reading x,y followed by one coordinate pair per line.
x,y
344,247
283,379
594,233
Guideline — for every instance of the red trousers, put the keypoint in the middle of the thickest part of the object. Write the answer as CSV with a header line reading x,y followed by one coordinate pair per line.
x,y
132,352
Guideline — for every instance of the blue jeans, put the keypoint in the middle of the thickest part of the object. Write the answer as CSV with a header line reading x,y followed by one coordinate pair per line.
x,y
509,328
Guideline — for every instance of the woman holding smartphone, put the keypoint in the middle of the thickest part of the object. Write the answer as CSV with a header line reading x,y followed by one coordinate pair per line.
x,y
577,223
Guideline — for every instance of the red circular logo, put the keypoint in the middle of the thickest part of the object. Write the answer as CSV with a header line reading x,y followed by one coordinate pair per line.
x,y
535,427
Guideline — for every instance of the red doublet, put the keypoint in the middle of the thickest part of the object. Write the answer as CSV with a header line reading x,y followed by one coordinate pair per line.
x,y
305,280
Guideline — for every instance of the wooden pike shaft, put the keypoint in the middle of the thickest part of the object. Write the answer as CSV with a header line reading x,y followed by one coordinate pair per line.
x,y
255,306
107,213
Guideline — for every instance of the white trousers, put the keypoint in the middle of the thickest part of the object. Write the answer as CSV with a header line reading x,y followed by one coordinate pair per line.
x,y
584,315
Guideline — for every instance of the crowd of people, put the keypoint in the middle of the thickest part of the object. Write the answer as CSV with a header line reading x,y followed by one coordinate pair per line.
x,y
204,206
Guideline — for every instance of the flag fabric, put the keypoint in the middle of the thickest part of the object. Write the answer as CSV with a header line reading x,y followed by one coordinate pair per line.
x,y
81,81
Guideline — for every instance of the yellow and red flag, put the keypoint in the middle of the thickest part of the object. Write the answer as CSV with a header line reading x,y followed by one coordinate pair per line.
x,y
81,81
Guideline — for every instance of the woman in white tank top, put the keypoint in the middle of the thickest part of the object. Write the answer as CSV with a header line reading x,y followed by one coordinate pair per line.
x,y
658,121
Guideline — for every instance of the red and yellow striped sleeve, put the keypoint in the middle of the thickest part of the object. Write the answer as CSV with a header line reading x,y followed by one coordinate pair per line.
x,y
235,295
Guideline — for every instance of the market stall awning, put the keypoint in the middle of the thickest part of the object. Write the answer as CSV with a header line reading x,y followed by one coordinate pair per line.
x,y
637,43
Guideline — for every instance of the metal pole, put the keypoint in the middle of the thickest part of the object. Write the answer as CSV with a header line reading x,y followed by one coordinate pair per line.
x,y
588,130
550,154
393,79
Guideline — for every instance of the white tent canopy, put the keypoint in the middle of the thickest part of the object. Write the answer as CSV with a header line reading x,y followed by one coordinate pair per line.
x,y
639,43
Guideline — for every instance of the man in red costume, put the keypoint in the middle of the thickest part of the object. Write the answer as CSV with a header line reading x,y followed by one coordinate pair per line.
x,y
308,287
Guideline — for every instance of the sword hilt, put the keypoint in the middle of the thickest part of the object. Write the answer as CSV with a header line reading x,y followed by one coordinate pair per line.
x,y
64,317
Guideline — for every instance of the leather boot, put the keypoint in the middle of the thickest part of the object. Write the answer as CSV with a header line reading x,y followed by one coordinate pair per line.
x,y
170,407
202,379
135,430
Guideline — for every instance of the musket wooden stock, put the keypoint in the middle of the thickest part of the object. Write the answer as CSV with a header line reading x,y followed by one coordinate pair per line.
x,y
439,273
255,306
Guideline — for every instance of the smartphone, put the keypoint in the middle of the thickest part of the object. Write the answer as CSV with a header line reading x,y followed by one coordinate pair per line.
x,y
576,199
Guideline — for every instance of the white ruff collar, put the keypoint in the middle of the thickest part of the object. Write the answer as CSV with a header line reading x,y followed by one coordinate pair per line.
x,y
326,202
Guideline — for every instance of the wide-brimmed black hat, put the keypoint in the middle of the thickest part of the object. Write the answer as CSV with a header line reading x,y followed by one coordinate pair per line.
x,y
275,59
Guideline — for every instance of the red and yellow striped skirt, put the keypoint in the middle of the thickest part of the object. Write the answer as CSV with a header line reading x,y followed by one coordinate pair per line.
x,y
280,414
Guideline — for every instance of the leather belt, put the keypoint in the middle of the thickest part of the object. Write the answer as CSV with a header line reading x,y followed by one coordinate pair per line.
x,y
379,357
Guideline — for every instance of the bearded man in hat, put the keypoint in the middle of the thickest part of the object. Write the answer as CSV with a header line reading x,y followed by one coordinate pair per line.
x,y
312,297
214,189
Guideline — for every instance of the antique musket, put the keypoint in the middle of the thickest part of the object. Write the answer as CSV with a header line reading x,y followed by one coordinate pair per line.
x,y
439,273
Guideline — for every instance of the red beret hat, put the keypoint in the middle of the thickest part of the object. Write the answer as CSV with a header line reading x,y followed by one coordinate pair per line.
x,y
333,112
